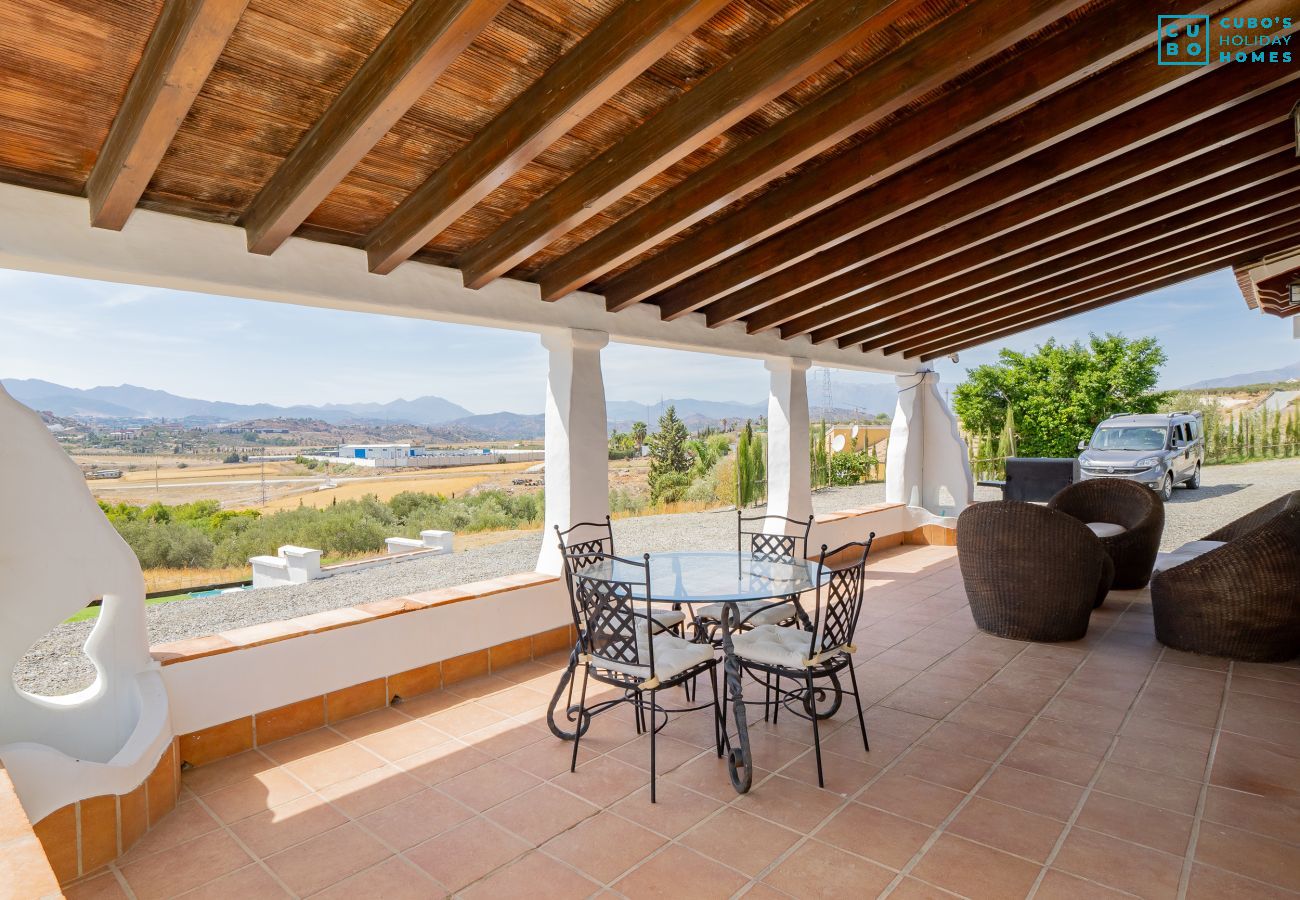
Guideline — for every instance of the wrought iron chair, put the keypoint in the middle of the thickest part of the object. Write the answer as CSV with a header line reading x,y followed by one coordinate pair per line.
x,y
582,545
763,545
619,648
821,652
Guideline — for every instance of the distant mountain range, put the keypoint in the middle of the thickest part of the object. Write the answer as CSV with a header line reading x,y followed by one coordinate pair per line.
x,y
1286,373
128,401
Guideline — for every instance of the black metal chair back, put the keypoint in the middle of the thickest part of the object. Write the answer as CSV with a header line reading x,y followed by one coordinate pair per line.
x,y
616,615
582,545
772,547
840,589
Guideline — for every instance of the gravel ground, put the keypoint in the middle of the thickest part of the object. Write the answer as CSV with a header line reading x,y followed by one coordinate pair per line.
x,y
56,664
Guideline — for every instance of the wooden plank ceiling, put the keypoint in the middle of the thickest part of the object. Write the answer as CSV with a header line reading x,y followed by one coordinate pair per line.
x,y
907,176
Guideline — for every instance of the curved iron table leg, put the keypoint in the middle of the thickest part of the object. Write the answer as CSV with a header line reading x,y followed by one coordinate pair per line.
x,y
566,682
739,760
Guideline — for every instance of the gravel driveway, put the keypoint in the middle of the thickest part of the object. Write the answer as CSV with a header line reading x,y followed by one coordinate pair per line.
x,y
57,666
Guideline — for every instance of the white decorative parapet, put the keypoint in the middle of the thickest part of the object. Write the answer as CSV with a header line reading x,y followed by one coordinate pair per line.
x,y
439,541
293,565
105,739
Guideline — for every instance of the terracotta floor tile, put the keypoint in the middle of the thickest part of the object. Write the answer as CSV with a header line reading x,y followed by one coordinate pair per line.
x,y
884,719
675,810
847,742
461,720
488,785
840,774
954,737
1069,736
1008,722
186,822
507,736
1119,699
1035,793
1058,885
1052,762
1162,731
1273,707
1265,687
416,818
371,723
272,830
911,798
1010,697
333,765
302,746
392,879
1272,816
1165,791
1246,853
679,873
466,853
444,761
547,758
185,866
1183,762
1119,864
225,772
1278,731
537,815
264,790
914,889
1007,828
952,770
517,699
327,859
1209,883
880,836
975,871
371,790
536,876
669,753
1085,715
739,840
921,702
604,846
249,883
820,870
707,775
1257,767
1136,822
101,887
603,781
402,739
790,803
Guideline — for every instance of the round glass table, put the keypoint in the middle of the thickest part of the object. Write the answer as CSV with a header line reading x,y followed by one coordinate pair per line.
x,y
697,578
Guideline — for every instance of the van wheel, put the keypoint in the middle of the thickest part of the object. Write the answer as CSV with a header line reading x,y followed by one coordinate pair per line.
x,y
1167,487
1195,481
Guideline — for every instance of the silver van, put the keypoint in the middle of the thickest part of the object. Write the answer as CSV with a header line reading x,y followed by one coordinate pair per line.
x,y
1159,450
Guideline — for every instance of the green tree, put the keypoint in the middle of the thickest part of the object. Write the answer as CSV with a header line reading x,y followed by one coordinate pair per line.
x,y
668,456
758,468
1058,393
638,435
744,466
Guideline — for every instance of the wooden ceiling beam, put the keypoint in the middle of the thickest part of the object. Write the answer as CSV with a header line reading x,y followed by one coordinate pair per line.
x,y
1211,261
914,295
182,49
620,48
1002,198
427,39
805,43
1177,211
1160,250
903,75
1049,66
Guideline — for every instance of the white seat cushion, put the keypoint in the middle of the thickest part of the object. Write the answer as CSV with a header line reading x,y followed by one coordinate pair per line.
x,y
764,612
1106,529
673,655
668,618
774,645
1186,553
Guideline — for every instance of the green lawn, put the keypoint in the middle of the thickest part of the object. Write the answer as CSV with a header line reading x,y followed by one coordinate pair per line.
x,y
92,612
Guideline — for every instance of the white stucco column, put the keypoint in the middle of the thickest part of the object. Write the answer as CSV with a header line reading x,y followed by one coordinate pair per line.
x,y
789,486
927,464
577,440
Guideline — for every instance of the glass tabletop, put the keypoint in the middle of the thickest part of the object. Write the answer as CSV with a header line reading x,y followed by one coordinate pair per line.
x,y
709,576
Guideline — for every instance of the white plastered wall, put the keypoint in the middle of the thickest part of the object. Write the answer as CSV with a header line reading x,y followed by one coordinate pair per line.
x,y
927,465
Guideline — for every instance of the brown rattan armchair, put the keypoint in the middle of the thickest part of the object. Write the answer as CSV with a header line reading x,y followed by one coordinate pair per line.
x,y
1131,506
1031,573
1240,600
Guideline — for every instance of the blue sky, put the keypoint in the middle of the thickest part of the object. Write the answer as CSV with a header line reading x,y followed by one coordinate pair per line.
x,y
86,333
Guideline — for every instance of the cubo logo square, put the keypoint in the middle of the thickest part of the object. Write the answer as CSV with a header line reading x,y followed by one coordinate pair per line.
x,y
1183,40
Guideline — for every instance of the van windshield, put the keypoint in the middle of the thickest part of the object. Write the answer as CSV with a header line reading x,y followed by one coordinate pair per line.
x,y
1129,439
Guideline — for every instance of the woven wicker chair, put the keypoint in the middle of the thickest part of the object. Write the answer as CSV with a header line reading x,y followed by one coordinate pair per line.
x,y
1031,573
1241,600
1116,501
